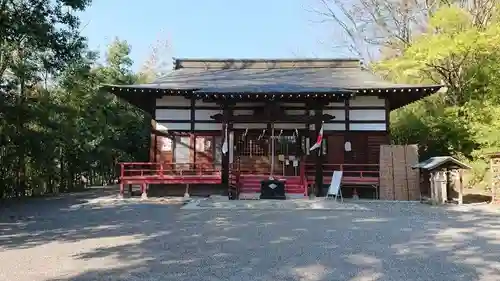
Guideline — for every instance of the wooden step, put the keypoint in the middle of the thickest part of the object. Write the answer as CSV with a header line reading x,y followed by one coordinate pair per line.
x,y
250,183
289,188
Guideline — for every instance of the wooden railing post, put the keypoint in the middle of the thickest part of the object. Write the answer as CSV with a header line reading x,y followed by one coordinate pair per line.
x,y
237,176
122,174
122,168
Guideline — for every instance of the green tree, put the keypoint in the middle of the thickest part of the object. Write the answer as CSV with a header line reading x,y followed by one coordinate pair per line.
x,y
37,40
463,55
55,126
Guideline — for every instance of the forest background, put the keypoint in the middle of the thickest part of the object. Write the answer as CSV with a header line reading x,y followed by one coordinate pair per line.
x,y
56,126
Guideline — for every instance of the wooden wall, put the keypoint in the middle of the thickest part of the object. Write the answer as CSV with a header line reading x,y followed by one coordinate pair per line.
x,y
365,147
362,121
363,113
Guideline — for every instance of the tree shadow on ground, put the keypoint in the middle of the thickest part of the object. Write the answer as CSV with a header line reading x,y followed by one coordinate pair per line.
x,y
164,242
476,198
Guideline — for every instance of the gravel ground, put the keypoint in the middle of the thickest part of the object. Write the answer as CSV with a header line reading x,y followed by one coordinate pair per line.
x,y
58,239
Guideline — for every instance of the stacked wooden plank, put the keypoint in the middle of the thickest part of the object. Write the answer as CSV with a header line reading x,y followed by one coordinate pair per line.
x,y
386,173
398,181
413,174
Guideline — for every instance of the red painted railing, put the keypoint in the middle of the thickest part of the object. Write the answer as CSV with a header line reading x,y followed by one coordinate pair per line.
x,y
352,174
150,169
162,173
360,171
144,173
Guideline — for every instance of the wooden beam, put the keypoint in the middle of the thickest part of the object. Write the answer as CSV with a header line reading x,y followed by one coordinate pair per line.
x,y
284,118
263,98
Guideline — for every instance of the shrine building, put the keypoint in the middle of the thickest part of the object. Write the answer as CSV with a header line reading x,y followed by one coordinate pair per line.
x,y
223,125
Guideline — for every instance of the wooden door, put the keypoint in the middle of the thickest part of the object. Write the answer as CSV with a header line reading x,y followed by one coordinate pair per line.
x,y
335,149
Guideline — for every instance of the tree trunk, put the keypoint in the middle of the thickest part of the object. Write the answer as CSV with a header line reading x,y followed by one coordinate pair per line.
x,y
21,164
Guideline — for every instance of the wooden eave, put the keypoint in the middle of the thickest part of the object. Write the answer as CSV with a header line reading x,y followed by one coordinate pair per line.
x,y
135,94
398,97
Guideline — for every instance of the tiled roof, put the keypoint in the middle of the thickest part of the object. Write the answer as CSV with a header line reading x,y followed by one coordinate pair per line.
x,y
336,78
283,76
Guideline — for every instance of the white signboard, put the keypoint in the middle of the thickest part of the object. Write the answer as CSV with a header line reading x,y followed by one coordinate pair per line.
x,y
334,187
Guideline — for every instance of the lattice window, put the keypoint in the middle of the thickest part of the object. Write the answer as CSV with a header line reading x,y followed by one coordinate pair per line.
x,y
252,146
287,145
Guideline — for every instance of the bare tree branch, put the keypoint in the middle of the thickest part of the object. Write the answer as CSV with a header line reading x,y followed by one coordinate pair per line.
x,y
385,28
159,61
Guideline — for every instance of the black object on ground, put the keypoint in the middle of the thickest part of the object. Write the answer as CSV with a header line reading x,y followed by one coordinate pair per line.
x,y
272,189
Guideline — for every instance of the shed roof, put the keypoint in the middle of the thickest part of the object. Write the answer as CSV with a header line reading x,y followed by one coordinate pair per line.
x,y
439,162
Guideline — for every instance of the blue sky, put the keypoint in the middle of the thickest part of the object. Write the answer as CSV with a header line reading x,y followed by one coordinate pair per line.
x,y
212,29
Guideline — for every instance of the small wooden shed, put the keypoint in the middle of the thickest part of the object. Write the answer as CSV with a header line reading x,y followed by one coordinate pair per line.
x,y
442,179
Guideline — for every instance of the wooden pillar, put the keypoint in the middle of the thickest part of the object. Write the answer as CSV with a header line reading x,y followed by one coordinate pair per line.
x,y
154,145
460,187
227,115
387,117
268,113
346,113
318,112
492,181
192,136
150,117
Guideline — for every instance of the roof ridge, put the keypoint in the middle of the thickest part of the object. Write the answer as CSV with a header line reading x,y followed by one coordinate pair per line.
x,y
283,63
